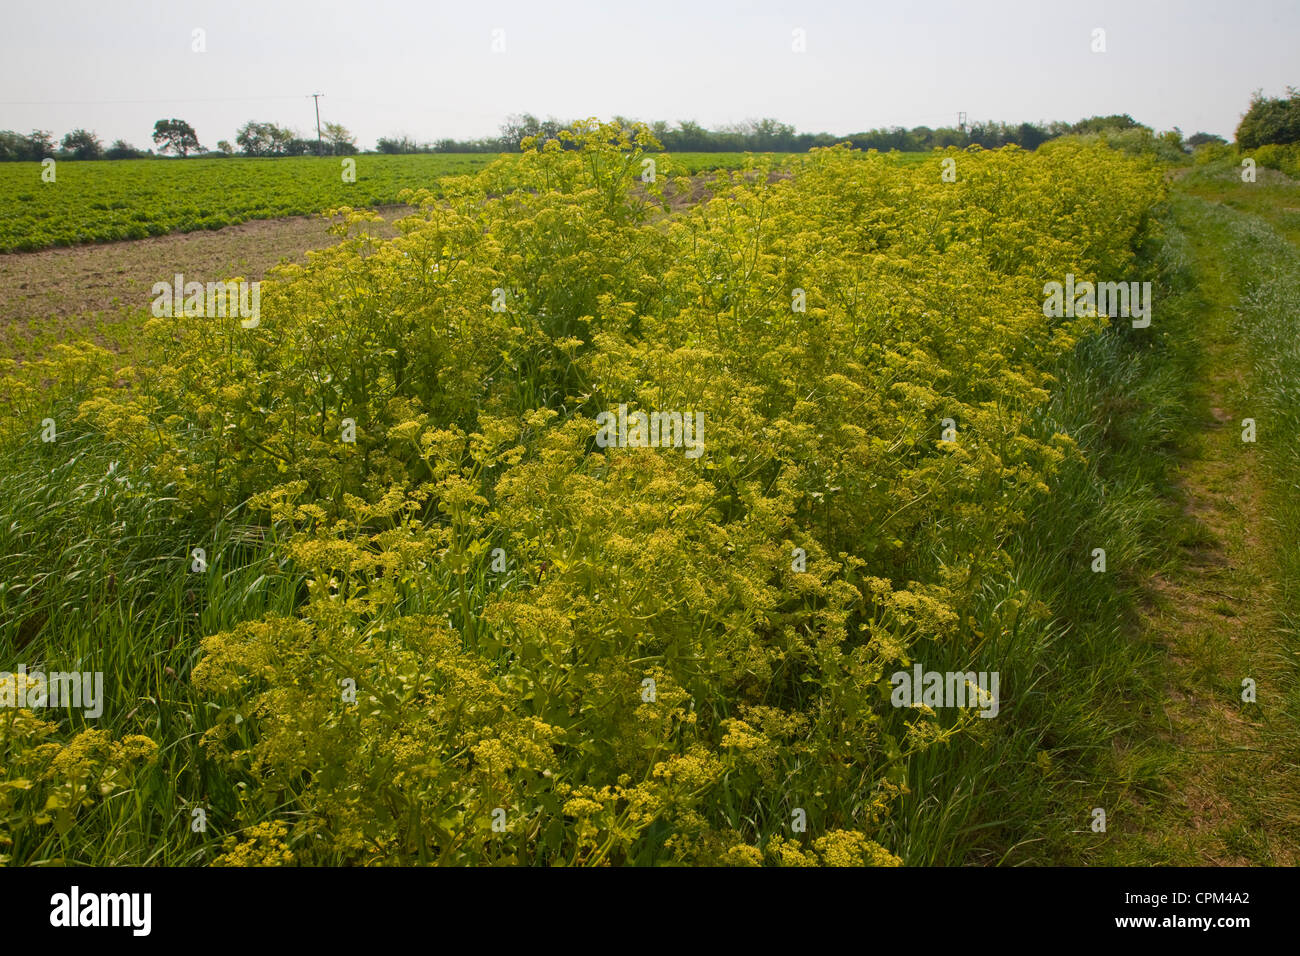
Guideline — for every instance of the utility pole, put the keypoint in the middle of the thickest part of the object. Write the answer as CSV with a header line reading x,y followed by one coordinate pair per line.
x,y
961,121
316,97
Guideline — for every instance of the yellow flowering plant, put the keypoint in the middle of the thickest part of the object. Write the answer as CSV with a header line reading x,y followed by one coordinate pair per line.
x,y
515,643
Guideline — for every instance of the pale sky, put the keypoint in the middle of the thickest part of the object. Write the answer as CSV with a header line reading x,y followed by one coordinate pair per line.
x,y
428,70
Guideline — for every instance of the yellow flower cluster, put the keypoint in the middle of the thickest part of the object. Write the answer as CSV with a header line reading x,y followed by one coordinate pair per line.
x,y
44,783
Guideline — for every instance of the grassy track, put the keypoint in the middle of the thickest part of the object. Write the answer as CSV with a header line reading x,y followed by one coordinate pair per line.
x,y
1226,609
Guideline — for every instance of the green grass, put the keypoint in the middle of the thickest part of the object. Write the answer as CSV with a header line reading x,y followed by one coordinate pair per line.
x,y
1095,729
1226,790
1264,263
1022,792
97,576
1273,197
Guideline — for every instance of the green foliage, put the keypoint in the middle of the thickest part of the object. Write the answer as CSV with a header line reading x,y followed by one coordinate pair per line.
x,y
175,136
83,144
1285,159
45,785
33,147
1270,120
1101,124
1137,141
121,149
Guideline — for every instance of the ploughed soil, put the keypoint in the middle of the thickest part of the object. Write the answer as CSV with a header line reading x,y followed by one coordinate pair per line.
x,y
56,293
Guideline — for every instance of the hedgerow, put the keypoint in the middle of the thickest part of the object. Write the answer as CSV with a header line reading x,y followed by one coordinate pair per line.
x,y
515,645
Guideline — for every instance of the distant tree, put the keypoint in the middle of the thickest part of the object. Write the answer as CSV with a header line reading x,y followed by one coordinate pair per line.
x,y
491,144
83,144
922,137
516,128
1174,138
225,147
254,138
1031,135
764,135
176,136
340,141
1096,124
1200,139
989,135
392,145
733,138
121,149
15,147
946,136
40,143
267,139
1270,120
285,141
689,137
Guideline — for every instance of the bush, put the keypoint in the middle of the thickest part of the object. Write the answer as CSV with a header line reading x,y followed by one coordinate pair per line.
x,y
1285,159
1212,151
83,144
121,149
1270,120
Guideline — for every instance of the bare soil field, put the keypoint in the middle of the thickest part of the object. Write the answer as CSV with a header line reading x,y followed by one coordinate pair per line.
x,y
55,294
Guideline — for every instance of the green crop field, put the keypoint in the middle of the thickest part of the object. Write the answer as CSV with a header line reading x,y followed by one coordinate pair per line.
x,y
133,198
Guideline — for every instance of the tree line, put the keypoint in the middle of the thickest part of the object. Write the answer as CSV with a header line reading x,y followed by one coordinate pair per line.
x,y
178,138
770,135
1268,121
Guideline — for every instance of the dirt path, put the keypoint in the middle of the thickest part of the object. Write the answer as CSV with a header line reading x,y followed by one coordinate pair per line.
x,y
1229,799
